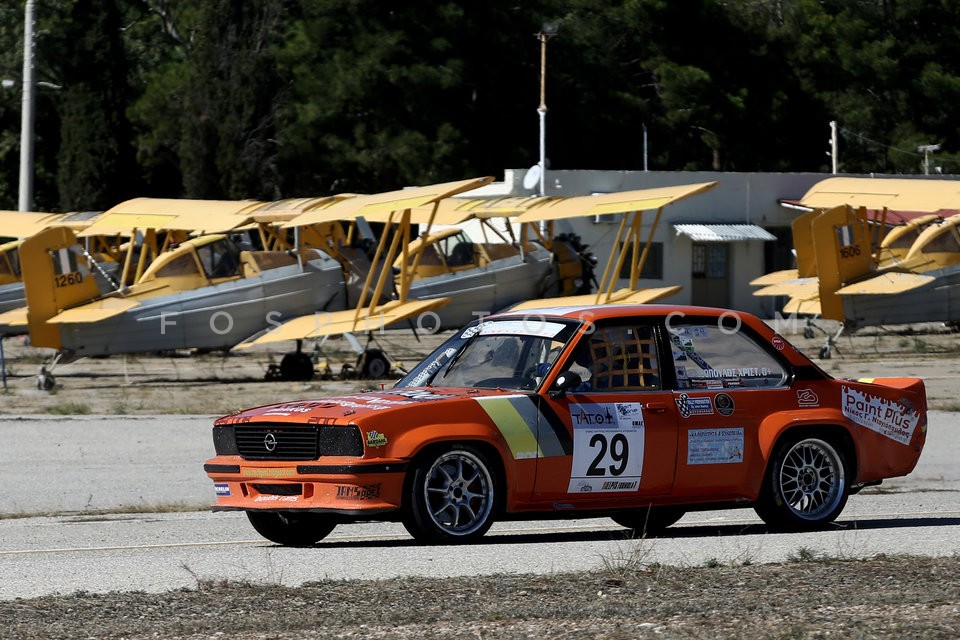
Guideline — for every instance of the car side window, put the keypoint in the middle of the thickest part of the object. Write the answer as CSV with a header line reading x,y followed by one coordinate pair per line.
x,y
707,356
617,358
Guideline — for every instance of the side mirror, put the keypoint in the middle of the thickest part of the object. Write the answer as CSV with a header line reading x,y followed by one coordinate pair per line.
x,y
564,382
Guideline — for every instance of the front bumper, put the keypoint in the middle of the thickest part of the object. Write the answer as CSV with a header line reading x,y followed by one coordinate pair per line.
x,y
350,488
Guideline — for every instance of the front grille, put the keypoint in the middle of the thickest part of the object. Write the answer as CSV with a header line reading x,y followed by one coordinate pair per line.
x,y
279,489
291,442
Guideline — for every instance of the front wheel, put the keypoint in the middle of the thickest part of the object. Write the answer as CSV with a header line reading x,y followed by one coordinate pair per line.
x,y
806,486
291,528
649,521
453,497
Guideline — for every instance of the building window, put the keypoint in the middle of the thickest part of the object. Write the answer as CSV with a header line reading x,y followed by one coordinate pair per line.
x,y
652,268
709,260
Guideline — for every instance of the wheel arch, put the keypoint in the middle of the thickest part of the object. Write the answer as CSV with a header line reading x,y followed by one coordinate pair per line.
x,y
433,447
771,438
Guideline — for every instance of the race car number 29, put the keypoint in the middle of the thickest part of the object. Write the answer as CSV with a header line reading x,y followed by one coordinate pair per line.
x,y
607,447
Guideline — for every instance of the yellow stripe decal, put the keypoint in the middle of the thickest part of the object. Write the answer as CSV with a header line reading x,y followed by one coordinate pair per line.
x,y
517,431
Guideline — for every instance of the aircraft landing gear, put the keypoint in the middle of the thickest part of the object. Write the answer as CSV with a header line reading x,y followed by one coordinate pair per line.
x,y
295,366
831,344
45,380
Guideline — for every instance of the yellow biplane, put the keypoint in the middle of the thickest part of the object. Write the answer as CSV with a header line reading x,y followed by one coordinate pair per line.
x,y
449,279
180,292
853,268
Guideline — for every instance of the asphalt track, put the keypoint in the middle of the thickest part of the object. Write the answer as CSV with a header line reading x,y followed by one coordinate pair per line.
x,y
52,470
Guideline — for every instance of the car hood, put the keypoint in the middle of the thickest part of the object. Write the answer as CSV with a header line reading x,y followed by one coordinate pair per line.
x,y
358,408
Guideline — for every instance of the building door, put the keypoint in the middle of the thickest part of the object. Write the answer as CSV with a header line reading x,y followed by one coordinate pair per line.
x,y
710,274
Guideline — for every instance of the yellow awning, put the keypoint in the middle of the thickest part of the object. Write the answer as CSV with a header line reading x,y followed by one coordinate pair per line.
x,y
620,202
897,194
378,206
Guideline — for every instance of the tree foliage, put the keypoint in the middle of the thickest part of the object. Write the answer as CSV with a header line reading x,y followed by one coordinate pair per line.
x,y
277,98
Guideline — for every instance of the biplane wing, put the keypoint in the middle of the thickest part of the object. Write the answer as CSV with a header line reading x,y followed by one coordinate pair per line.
x,y
886,283
23,224
896,194
621,296
775,277
170,214
330,323
632,204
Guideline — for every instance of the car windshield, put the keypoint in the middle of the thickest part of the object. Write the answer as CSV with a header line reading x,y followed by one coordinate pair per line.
x,y
505,354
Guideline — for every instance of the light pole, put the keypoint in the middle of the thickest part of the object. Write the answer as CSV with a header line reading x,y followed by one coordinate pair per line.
x,y
26,122
548,30
926,150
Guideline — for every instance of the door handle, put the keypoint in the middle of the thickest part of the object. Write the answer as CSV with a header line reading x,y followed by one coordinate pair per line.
x,y
656,407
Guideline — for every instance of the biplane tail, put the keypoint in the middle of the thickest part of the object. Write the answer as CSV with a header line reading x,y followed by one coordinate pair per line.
x,y
841,242
56,276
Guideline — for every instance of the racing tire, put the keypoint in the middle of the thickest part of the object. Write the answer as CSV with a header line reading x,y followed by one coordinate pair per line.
x,y
453,496
806,485
375,364
649,521
292,528
296,366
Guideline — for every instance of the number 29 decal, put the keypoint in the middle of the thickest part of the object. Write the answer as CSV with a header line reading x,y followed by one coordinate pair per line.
x,y
607,447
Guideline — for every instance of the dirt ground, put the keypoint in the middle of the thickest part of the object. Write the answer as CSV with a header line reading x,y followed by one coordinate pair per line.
x,y
810,597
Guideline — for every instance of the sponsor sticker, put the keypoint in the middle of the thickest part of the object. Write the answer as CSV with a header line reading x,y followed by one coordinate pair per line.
x,y
694,405
725,406
221,488
715,446
608,444
778,343
358,492
807,398
376,439
889,418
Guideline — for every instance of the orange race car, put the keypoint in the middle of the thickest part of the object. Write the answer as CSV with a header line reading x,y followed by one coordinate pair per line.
x,y
637,412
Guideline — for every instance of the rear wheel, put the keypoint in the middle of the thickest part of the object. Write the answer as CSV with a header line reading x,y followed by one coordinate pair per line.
x,y
453,496
806,486
291,528
649,521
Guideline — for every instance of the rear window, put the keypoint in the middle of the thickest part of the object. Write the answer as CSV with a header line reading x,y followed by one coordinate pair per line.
x,y
708,356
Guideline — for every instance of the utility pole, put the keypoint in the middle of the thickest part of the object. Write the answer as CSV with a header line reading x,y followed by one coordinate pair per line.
x,y
833,145
25,202
926,150
548,30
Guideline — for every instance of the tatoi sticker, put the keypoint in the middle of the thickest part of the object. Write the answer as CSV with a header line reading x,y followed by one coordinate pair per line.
x,y
778,343
694,405
807,398
530,326
725,406
715,446
887,417
221,488
607,447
